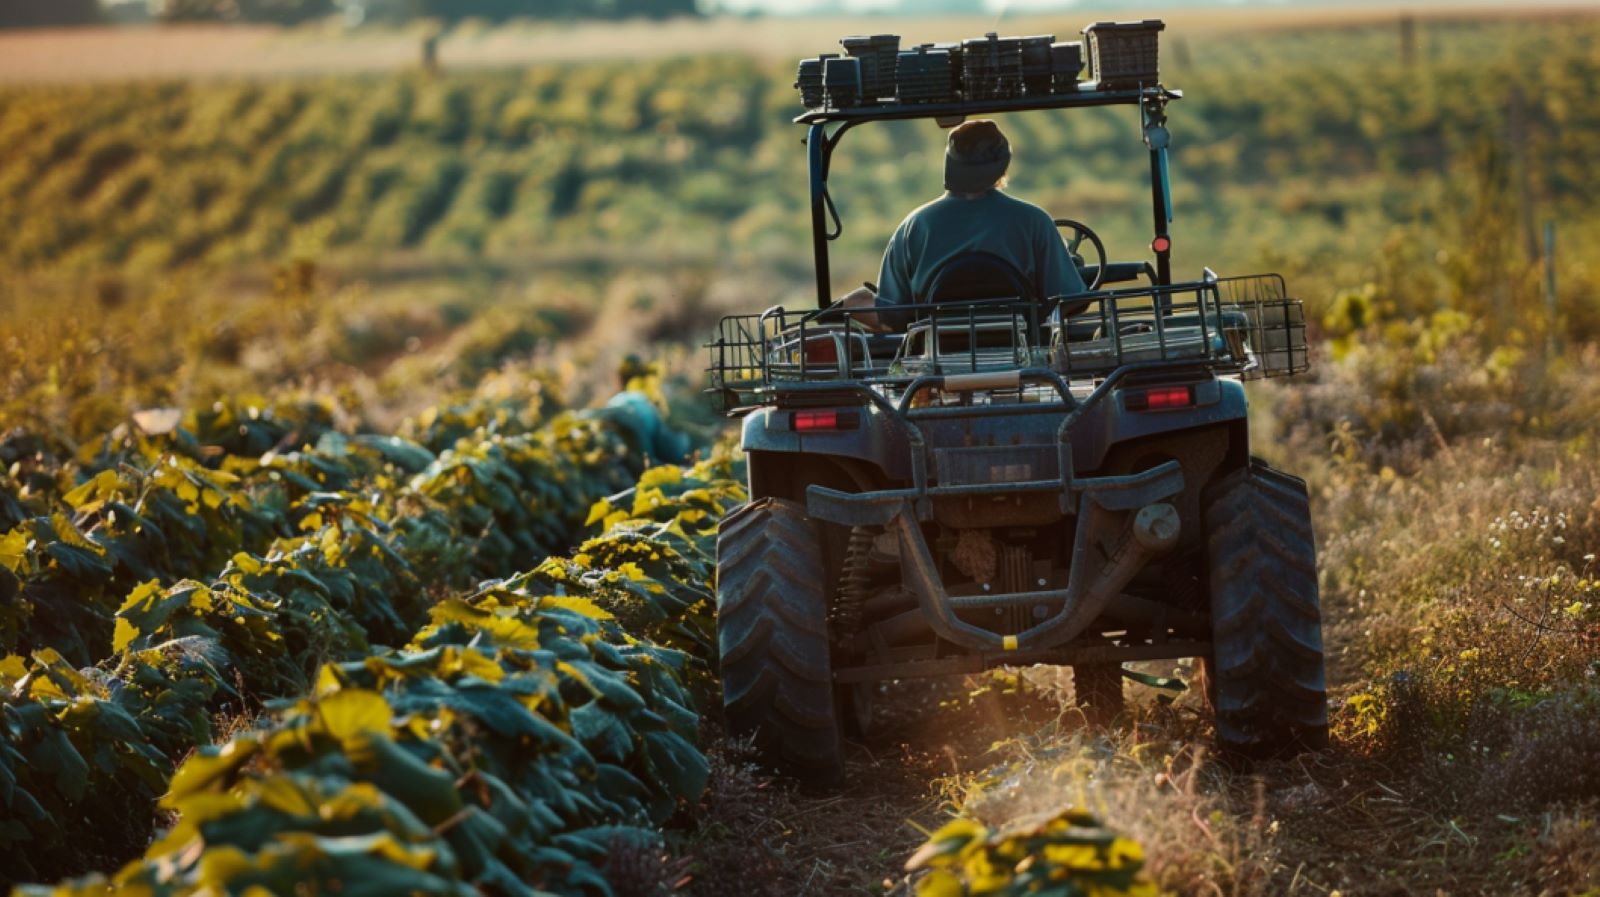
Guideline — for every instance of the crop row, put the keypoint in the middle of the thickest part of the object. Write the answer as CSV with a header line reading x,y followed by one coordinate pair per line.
x,y
167,580
520,739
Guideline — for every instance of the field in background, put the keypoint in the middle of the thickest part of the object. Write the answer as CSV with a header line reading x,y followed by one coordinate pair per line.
x,y
295,263
640,200
255,51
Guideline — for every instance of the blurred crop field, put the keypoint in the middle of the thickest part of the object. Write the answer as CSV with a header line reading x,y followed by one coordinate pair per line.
x,y
354,324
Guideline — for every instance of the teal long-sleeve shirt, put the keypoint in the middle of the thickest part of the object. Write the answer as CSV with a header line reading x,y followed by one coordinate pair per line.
x,y
1017,231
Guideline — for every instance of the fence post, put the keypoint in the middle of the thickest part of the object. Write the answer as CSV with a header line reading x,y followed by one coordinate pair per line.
x,y
1550,303
1408,39
430,51
1522,169
1180,55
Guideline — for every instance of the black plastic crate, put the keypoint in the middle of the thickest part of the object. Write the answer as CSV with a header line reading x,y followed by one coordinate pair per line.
x,y
923,76
1124,54
878,54
1037,64
1066,63
954,49
991,67
809,81
841,82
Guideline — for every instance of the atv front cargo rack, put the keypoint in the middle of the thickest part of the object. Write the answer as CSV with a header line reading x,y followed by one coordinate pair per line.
x,y
1241,326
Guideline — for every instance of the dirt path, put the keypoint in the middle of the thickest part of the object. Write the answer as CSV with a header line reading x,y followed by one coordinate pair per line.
x,y
1337,822
763,838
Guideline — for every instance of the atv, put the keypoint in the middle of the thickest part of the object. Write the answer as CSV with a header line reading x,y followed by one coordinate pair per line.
x,y
1013,479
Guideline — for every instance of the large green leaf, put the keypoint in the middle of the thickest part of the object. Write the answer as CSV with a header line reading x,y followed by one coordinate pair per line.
x,y
426,791
600,728
678,764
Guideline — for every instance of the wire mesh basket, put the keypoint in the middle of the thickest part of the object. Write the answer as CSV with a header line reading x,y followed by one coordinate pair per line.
x,y
752,353
1274,326
1183,322
1124,54
1245,324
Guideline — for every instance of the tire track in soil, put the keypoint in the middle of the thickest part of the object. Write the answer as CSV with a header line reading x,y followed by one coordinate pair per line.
x,y
765,837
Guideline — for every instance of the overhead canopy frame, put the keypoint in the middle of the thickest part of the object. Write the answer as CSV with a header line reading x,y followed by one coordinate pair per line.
x,y
821,141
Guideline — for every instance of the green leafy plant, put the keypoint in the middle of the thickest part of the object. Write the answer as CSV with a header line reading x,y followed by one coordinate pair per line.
x,y
1069,855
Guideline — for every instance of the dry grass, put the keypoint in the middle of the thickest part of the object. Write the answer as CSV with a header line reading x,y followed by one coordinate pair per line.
x,y
1347,820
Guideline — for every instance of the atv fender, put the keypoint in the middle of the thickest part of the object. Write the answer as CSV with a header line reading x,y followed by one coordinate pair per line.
x,y
1216,401
879,440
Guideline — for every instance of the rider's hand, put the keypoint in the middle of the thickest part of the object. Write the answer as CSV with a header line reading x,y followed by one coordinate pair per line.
x,y
860,302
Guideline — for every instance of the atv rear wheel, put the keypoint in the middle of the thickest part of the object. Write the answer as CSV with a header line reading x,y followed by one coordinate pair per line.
x,y
1265,673
772,635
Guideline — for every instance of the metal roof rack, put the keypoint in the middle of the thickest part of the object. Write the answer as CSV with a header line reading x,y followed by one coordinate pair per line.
x,y
1087,95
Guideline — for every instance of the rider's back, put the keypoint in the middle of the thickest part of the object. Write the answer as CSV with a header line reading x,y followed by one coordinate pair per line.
x,y
991,222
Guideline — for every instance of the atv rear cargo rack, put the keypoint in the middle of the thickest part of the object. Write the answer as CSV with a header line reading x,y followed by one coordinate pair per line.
x,y
1240,326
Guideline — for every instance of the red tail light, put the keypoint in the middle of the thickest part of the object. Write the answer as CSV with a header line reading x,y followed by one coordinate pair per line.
x,y
812,421
822,351
1159,398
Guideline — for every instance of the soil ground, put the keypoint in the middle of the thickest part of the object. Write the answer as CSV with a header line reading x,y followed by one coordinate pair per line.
x,y
902,780
1341,822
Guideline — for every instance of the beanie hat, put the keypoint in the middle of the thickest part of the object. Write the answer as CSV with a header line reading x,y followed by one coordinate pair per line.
x,y
976,157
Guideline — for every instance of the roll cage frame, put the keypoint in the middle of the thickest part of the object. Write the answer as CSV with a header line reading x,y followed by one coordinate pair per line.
x,y
826,225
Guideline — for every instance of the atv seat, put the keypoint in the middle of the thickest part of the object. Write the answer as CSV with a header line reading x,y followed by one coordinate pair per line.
x,y
968,276
977,275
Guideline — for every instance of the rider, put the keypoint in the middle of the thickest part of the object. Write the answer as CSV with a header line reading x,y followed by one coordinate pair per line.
x,y
973,215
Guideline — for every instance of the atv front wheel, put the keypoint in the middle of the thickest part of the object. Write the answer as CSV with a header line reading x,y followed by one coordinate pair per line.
x,y
1265,672
772,635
